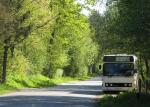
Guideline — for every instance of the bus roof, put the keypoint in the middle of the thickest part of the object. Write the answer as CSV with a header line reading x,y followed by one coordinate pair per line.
x,y
120,55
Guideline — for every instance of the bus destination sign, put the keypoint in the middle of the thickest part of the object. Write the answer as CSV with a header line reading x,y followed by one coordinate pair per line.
x,y
118,59
122,59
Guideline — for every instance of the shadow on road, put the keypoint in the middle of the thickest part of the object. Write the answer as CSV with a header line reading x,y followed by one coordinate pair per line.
x,y
45,101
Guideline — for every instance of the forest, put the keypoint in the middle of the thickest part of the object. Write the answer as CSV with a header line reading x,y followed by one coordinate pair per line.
x,y
53,39
125,28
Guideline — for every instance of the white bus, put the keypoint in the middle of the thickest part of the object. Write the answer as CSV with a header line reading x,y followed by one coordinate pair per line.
x,y
119,73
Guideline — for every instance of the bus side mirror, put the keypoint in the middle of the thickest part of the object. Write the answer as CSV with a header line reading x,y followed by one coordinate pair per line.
x,y
100,67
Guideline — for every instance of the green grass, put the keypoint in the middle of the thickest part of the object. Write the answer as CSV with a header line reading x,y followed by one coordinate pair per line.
x,y
36,81
125,100
6,89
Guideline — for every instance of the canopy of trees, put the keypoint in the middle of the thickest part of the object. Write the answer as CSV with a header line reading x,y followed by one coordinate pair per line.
x,y
48,37
124,28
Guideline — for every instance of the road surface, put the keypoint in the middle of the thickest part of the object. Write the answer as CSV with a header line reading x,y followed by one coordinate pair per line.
x,y
73,94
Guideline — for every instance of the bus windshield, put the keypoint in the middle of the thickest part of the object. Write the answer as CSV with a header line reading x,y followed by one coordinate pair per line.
x,y
118,69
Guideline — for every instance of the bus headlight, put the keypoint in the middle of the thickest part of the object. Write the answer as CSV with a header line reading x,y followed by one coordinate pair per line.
x,y
125,85
106,84
130,84
111,85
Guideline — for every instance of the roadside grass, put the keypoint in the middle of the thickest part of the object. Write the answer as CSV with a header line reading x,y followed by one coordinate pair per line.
x,y
4,88
36,81
125,100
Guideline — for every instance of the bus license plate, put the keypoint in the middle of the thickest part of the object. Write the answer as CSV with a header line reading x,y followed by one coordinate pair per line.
x,y
118,88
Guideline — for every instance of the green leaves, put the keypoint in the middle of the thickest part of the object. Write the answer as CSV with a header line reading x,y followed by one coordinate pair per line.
x,y
124,28
71,40
47,37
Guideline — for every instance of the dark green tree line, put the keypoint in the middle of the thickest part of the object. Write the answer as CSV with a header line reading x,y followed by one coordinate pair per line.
x,y
124,28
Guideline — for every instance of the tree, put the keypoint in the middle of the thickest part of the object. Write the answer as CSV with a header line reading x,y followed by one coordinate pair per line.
x,y
124,28
70,38
19,21
42,37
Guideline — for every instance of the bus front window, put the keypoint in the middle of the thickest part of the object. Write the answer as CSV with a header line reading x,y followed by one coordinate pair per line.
x,y
118,69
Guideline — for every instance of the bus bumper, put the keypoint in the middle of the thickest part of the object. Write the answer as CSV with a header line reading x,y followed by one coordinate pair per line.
x,y
117,88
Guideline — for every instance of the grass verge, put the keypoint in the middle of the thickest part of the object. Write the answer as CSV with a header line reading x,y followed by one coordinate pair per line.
x,y
4,88
36,81
125,100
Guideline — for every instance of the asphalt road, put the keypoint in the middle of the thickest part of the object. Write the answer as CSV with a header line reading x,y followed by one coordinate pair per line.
x,y
73,94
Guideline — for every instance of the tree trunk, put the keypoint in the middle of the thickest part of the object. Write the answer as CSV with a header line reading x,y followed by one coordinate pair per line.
x,y
147,74
4,64
147,67
141,71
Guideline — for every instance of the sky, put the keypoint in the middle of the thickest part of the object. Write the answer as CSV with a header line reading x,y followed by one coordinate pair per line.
x,y
100,7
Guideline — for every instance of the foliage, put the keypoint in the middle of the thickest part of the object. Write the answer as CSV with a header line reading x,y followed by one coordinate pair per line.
x,y
50,38
16,82
124,28
71,37
125,100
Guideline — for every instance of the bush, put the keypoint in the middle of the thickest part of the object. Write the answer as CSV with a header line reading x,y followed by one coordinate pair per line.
x,y
125,100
